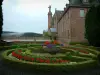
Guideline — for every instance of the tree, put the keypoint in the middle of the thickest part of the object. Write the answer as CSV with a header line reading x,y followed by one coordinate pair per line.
x,y
47,34
92,26
1,18
1,25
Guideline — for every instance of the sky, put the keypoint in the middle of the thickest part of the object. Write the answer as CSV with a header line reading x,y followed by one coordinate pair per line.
x,y
28,15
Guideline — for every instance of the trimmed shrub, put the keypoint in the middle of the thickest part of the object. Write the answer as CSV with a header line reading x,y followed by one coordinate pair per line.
x,y
91,49
81,43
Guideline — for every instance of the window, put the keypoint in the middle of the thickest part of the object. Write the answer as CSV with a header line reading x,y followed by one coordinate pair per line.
x,y
82,13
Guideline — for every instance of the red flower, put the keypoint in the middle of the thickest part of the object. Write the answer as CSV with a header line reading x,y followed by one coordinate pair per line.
x,y
32,59
61,61
38,59
84,52
57,61
16,55
55,42
81,50
26,58
13,53
20,57
53,61
29,58
66,61
41,61
47,61
46,43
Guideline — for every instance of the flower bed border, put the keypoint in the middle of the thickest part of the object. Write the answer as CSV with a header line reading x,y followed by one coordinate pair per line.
x,y
27,66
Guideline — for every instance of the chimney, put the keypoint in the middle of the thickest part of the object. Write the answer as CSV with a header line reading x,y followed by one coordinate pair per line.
x,y
64,9
67,5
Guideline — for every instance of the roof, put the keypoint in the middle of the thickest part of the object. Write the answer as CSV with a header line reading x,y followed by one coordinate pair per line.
x,y
58,13
52,22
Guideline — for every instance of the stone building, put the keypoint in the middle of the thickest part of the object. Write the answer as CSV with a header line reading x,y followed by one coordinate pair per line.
x,y
70,23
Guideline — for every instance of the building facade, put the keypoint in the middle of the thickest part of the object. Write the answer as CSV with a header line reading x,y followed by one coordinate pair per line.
x,y
71,26
70,23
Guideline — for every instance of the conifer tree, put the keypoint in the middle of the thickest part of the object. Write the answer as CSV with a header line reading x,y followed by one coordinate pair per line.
x,y
92,26
1,18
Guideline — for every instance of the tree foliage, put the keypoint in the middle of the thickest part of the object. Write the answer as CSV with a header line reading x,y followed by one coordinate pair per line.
x,y
30,34
92,25
46,33
1,18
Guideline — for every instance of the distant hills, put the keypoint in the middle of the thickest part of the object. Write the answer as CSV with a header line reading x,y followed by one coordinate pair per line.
x,y
30,34
26,34
7,32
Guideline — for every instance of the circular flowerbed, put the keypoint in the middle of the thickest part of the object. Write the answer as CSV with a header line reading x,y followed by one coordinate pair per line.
x,y
36,57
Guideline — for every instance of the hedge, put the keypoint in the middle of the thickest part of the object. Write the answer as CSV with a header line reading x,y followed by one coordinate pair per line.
x,y
87,48
26,45
28,66
63,56
45,54
82,43
29,45
83,60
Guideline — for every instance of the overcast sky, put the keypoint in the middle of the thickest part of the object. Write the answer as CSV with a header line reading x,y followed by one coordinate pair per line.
x,y
28,15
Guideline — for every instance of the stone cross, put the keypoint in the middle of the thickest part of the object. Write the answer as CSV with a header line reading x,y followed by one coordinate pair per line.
x,y
49,8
